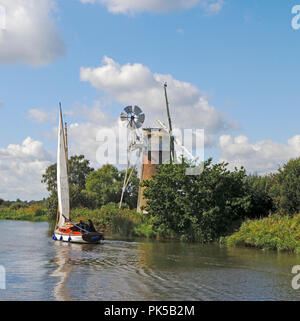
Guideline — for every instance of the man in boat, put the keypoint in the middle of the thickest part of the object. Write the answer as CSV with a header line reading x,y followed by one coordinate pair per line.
x,y
81,226
91,226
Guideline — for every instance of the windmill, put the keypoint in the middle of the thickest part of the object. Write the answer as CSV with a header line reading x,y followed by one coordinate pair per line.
x,y
133,117
144,140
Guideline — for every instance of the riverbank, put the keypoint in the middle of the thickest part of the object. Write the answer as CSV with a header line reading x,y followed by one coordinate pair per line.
x,y
31,214
280,233
124,222
110,218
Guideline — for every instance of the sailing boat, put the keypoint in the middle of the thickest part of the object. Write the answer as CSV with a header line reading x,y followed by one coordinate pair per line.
x,y
65,230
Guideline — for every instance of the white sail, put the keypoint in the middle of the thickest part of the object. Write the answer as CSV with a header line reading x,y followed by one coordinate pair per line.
x,y
62,175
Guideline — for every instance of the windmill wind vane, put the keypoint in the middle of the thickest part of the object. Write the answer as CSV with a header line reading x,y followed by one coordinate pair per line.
x,y
134,117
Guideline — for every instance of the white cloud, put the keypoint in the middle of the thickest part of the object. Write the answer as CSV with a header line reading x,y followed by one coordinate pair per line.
x,y
21,169
97,113
157,6
30,35
39,115
260,157
136,84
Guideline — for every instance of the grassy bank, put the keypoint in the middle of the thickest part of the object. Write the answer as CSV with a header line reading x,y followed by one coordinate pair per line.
x,y
123,222
109,218
281,233
32,214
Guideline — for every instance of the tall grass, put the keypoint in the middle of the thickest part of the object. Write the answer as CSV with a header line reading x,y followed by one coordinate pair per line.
x,y
109,218
281,233
123,222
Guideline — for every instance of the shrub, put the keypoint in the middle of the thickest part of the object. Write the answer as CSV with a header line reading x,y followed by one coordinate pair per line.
x,y
281,233
196,208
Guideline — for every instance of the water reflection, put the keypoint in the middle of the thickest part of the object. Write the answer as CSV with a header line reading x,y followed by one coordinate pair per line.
x,y
39,268
63,271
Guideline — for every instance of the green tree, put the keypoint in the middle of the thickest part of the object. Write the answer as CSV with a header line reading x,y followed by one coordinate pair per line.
x,y
259,189
198,208
131,193
51,205
106,185
288,179
79,169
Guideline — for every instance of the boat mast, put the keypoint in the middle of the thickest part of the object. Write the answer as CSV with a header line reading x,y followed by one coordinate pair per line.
x,y
172,153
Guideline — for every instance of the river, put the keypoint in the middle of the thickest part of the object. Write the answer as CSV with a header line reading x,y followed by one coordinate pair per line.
x,y
38,268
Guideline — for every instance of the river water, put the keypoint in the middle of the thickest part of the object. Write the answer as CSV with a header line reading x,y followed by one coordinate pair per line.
x,y
38,268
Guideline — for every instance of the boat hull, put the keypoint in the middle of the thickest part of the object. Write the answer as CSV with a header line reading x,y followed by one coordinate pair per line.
x,y
89,238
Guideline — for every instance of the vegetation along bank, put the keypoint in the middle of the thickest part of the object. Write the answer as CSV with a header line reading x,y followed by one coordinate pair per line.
x,y
218,205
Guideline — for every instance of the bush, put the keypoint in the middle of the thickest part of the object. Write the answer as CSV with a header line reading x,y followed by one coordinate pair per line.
x,y
281,233
125,222
289,181
39,212
196,208
17,205
51,206
261,202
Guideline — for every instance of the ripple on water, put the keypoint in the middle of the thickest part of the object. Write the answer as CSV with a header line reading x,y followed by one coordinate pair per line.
x,y
40,269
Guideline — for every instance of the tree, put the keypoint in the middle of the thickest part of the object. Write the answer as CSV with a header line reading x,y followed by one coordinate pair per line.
x,y
51,204
106,186
79,169
259,189
200,207
288,179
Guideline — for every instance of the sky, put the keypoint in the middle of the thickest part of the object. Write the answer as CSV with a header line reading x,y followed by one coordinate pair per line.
x,y
232,69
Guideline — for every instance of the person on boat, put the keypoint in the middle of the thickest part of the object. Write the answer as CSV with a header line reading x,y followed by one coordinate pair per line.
x,y
91,226
80,227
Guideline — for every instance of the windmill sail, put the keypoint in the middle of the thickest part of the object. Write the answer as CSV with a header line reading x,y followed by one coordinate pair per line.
x,y
62,176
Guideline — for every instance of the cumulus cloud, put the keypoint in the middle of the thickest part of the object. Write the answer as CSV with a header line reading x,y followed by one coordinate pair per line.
x,y
30,35
136,84
260,157
157,6
39,115
98,113
21,169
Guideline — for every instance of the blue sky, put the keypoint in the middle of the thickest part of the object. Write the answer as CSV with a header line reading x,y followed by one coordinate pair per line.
x,y
242,58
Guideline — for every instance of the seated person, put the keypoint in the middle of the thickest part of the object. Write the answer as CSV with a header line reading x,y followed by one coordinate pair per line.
x,y
91,227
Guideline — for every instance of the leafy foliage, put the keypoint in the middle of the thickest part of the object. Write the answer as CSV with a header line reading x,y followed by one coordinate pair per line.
x,y
106,185
124,222
289,182
261,201
277,232
79,169
198,208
